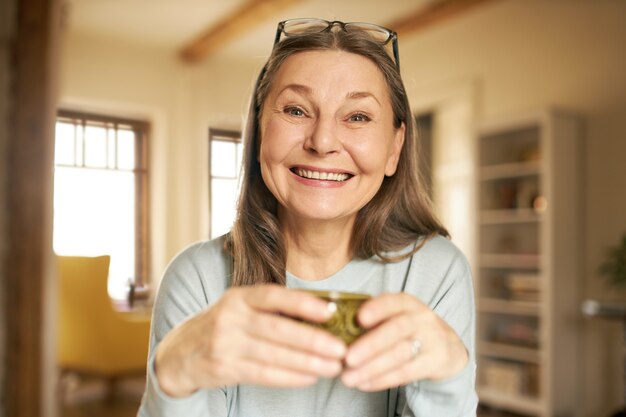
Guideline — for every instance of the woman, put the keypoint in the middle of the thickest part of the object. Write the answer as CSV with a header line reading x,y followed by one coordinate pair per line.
x,y
331,199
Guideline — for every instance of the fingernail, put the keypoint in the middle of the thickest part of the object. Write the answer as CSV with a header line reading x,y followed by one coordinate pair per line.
x,y
352,359
363,318
334,370
339,349
331,308
350,379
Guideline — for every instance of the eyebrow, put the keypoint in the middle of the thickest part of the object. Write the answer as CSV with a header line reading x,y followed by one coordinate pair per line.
x,y
305,90
355,95
298,88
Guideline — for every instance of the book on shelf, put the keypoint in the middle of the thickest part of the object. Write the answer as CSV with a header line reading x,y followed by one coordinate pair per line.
x,y
515,331
511,194
523,286
510,378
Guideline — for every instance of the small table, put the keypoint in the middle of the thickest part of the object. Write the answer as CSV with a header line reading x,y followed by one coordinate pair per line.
x,y
137,302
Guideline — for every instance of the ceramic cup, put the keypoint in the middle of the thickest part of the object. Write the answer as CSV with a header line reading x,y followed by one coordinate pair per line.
x,y
343,322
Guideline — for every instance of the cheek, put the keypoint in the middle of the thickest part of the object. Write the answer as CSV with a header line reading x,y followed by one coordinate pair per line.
x,y
268,155
371,156
274,143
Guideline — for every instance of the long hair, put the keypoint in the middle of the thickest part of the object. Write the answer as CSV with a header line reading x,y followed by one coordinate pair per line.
x,y
399,214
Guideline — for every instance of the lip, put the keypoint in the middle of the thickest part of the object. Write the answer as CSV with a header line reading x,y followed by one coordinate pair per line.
x,y
317,182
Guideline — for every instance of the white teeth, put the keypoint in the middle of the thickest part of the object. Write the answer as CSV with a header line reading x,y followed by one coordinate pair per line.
x,y
316,175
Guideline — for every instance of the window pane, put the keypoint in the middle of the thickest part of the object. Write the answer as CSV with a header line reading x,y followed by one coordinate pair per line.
x,y
64,144
111,148
80,132
95,147
94,214
125,149
224,194
223,159
239,157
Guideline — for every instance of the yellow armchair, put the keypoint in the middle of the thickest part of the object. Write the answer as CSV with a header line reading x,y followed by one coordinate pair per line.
x,y
93,338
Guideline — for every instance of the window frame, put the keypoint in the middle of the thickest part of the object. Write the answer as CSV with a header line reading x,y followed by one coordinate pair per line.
x,y
224,135
141,172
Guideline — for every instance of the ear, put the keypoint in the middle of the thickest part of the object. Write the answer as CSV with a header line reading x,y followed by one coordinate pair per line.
x,y
395,150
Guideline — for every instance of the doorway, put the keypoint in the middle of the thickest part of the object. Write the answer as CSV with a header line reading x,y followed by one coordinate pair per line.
x,y
445,116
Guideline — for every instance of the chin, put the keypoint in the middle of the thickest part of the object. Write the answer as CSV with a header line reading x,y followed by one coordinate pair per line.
x,y
312,213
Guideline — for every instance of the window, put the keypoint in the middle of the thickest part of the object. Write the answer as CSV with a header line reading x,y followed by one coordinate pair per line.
x,y
101,194
225,153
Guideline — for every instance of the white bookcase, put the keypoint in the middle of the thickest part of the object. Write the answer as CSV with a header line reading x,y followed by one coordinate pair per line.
x,y
528,266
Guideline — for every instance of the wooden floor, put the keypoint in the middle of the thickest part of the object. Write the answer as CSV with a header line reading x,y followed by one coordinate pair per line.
x,y
118,408
90,398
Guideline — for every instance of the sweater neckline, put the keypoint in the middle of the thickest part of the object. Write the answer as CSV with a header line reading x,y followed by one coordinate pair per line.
x,y
356,267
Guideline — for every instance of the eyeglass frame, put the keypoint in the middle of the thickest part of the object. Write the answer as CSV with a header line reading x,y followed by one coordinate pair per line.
x,y
392,35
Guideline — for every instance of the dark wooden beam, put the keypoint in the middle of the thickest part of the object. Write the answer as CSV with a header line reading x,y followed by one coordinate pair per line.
x,y
435,13
250,14
30,152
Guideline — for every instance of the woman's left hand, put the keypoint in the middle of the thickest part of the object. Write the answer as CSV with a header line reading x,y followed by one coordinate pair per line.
x,y
406,342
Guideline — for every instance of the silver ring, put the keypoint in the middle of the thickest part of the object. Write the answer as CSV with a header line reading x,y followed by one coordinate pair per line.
x,y
416,346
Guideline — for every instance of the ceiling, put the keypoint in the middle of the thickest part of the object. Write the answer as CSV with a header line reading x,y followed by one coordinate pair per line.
x,y
174,24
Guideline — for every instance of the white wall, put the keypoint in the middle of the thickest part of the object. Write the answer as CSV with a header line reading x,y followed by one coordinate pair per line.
x,y
517,55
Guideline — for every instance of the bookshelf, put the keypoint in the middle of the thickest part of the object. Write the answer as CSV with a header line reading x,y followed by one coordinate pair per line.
x,y
528,263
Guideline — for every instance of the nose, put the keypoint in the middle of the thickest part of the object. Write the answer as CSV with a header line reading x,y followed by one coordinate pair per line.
x,y
322,139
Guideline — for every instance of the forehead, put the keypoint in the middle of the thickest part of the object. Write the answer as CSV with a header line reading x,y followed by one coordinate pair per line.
x,y
335,70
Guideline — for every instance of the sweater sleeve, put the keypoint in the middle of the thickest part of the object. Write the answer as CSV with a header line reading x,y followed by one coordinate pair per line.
x,y
183,293
456,396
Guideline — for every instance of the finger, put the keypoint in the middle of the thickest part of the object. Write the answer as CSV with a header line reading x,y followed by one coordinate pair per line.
x,y
220,373
225,361
253,372
381,339
415,370
296,335
293,303
284,357
385,306
397,356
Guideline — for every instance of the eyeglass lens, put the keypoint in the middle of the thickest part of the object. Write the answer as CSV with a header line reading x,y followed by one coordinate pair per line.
x,y
302,26
296,27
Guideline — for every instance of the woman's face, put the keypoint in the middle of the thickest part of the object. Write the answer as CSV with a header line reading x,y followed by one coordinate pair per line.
x,y
327,135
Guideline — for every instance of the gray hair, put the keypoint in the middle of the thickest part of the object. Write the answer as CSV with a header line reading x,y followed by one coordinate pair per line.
x,y
399,214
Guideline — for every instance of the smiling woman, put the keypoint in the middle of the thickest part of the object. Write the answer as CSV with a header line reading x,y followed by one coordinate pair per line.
x,y
331,199
336,122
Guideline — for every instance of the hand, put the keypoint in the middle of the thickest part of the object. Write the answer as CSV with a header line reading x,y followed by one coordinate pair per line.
x,y
242,339
386,356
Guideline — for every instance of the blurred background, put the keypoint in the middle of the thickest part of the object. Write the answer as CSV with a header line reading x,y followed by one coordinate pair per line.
x,y
121,137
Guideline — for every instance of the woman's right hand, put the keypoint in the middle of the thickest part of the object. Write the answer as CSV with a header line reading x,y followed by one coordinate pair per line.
x,y
242,340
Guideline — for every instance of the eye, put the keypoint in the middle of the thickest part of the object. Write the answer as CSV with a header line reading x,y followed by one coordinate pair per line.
x,y
359,117
294,111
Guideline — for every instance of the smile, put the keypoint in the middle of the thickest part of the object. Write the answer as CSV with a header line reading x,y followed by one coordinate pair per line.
x,y
320,175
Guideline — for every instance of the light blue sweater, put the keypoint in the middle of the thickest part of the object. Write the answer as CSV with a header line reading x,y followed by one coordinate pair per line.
x,y
438,274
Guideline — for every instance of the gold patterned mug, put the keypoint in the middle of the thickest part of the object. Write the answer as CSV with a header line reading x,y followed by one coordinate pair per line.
x,y
343,322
